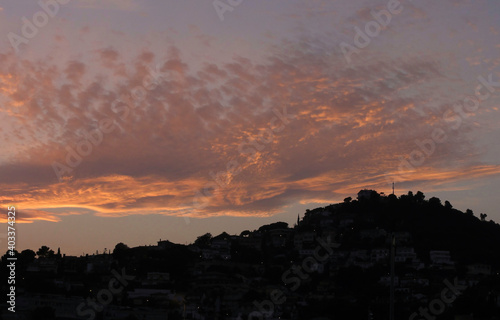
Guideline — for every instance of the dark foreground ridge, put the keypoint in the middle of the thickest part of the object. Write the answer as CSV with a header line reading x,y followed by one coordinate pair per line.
x,y
333,264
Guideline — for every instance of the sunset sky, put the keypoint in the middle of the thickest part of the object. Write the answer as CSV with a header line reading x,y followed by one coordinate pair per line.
x,y
133,121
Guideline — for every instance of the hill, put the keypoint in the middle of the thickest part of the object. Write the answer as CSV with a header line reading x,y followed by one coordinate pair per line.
x,y
333,264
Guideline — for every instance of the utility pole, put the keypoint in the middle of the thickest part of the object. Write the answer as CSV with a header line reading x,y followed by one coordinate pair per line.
x,y
393,251
393,187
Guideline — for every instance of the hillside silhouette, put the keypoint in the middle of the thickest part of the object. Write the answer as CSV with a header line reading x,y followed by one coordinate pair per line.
x,y
431,224
334,263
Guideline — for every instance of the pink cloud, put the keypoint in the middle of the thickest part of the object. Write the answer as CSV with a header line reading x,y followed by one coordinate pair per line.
x,y
348,130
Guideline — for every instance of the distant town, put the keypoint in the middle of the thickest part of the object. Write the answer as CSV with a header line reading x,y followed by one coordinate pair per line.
x,y
333,263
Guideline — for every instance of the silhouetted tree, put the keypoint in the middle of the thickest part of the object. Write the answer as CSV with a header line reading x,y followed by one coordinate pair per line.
x,y
435,202
448,205
204,240
469,212
348,199
120,247
483,216
392,198
27,255
45,252
419,196
274,226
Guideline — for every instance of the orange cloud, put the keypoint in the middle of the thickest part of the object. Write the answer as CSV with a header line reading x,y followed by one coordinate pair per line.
x,y
185,127
31,215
